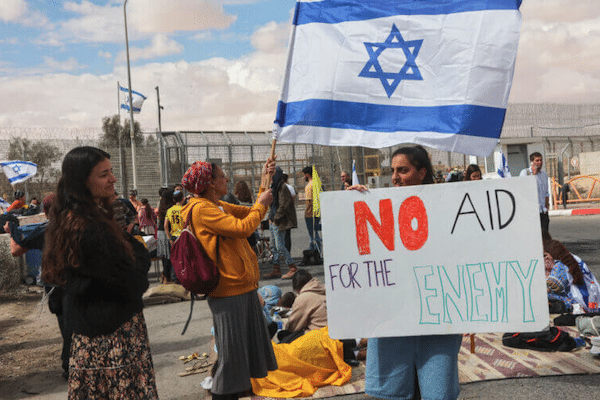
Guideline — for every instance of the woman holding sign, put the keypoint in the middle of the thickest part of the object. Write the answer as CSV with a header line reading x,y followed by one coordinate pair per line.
x,y
413,367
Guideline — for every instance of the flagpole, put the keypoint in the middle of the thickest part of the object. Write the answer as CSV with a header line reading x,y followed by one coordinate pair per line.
x,y
119,101
119,141
131,122
272,156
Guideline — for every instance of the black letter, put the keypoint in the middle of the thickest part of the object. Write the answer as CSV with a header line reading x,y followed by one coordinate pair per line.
x,y
512,215
469,212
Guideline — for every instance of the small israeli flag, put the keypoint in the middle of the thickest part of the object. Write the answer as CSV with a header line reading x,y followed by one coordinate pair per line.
x,y
355,180
504,170
18,171
137,100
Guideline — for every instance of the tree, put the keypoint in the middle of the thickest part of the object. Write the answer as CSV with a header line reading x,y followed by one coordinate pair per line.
x,y
41,153
151,141
113,130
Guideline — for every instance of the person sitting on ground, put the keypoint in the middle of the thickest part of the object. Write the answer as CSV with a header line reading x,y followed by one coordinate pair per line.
x,y
287,300
309,310
571,281
19,202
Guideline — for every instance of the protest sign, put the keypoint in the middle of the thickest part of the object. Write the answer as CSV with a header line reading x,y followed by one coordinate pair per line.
x,y
464,257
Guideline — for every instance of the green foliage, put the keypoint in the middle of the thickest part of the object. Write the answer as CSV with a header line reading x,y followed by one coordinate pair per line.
x,y
113,131
41,153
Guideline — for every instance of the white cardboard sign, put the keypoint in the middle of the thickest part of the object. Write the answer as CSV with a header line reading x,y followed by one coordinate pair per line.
x,y
461,257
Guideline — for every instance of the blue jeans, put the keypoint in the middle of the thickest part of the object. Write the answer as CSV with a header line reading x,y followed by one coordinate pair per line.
x,y
315,239
280,253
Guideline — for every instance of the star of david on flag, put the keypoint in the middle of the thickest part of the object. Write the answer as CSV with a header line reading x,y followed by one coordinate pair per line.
x,y
18,171
409,70
376,73
137,100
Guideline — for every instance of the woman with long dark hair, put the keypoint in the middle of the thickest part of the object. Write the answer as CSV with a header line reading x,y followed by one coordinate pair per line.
x,y
147,218
412,367
105,273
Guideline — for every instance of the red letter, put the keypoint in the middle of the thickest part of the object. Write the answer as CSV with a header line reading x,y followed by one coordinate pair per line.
x,y
385,230
411,208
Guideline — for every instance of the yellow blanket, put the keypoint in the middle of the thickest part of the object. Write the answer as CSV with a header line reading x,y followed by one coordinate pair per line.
x,y
309,362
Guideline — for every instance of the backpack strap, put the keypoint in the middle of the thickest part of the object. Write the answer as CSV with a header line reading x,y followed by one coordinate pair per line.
x,y
189,221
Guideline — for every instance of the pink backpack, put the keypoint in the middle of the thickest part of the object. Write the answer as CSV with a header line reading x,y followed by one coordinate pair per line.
x,y
193,267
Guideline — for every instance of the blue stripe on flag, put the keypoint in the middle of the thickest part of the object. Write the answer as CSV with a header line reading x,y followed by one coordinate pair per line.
x,y
464,119
132,92
7,163
126,107
335,11
18,177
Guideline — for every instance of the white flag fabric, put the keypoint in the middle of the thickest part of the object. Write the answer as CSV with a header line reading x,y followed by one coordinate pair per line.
x,y
355,180
376,73
18,171
137,100
4,204
503,170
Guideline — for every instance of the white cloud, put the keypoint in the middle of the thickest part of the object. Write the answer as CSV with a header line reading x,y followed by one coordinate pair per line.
x,y
213,94
272,38
68,65
94,23
107,55
12,10
160,45
559,52
10,40
166,16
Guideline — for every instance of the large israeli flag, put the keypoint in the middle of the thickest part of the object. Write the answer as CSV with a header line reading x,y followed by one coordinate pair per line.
x,y
137,100
376,73
18,171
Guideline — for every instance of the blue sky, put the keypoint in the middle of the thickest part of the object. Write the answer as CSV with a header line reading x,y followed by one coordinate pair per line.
x,y
219,63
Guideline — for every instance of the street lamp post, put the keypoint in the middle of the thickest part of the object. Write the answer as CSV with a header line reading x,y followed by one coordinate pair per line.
x,y
131,122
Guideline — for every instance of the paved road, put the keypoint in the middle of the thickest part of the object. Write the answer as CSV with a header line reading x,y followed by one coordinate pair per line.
x,y
165,323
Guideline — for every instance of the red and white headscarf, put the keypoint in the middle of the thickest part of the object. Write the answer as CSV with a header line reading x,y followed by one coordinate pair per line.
x,y
197,177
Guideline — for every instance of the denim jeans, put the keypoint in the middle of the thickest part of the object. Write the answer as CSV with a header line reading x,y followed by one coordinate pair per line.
x,y
315,239
280,253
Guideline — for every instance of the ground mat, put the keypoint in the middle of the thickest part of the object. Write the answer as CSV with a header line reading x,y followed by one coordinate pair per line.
x,y
491,361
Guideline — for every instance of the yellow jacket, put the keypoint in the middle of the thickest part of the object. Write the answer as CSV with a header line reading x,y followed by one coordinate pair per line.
x,y
232,225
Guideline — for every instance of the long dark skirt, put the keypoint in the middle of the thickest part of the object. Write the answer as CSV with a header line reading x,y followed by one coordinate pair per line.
x,y
115,366
243,343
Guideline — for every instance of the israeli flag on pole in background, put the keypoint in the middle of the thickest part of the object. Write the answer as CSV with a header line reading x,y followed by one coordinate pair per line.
x,y
377,73
355,180
503,170
18,171
137,97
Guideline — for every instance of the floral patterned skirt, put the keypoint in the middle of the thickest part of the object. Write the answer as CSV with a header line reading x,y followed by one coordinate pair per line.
x,y
114,366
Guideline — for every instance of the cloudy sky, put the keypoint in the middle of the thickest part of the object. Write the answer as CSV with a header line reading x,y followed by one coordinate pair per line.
x,y
219,63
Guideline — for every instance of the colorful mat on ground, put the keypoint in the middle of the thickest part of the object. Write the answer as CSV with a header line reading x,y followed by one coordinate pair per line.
x,y
492,360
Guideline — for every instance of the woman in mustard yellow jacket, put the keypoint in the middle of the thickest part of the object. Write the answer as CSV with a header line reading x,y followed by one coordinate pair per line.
x,y
241,334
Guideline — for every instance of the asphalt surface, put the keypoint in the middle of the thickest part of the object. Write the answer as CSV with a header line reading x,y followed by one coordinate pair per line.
x,y
165,323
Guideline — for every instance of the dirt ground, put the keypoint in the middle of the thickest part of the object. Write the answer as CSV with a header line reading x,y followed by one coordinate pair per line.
x,y
30,346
